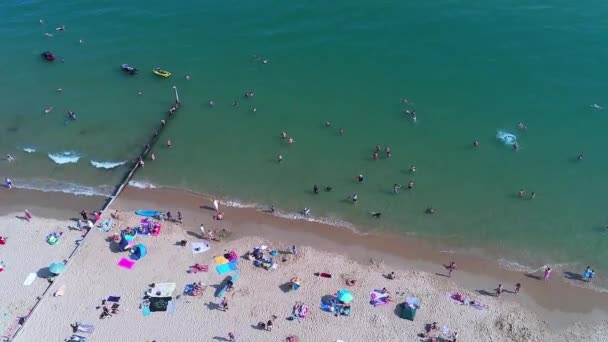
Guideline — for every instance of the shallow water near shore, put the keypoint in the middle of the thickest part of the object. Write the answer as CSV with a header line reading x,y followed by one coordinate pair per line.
x,y
470,71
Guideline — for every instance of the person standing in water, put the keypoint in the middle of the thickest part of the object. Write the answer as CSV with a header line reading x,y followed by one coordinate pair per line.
x,y
475,143
499,290
413,168
547,274
410,184
315,189
451,268
280,158
396,188
360,178
375,156
517,288
387,150
377,148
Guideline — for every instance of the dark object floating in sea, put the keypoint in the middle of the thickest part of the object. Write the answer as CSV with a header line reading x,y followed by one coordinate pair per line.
x,y
48,55
128,69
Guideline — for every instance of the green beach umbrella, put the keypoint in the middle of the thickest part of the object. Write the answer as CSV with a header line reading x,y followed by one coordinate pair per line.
x,y
345,296
57,267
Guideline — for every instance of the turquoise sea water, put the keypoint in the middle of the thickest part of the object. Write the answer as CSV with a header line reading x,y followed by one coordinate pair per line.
x,y
469,69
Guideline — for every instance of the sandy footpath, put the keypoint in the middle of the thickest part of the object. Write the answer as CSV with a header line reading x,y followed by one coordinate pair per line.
x,y
93,275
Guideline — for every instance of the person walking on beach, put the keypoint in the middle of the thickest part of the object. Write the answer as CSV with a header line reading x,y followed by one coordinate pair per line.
x,y
231,337
499,290
451,268
216,205
179,217
517,288
547,273
84,215
224,304
588,274
27,215
294,250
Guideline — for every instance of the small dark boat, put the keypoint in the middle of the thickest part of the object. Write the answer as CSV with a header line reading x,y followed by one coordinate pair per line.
x,y
128,69
48,55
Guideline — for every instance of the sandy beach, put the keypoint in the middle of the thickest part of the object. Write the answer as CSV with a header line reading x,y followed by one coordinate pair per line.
x,y
541,312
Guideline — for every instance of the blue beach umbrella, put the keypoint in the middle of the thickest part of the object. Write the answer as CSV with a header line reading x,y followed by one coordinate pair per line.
x,y
345,296
57,267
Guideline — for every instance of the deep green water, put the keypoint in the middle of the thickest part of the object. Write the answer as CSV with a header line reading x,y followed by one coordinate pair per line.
x,y
469,69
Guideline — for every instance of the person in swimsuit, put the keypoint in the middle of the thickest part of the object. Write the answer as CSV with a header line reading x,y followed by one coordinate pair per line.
x,y
315,189
396,188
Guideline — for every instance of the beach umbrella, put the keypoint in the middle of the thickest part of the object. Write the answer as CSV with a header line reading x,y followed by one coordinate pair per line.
x,y
57,267
345,296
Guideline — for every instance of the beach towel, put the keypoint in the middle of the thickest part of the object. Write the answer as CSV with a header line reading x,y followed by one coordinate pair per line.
x,y
161,290
220,260
171,308
60,291
159,304
77,338
82,327
113,299
30,279
126,263
105,225
223,269
199,247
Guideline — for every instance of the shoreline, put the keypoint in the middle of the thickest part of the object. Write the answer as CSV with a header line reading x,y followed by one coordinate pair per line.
x,y
560,301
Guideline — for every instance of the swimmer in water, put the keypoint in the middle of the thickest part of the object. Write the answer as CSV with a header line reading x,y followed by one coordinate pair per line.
x,y
354,198
290,141
328,188
59,90
187,77
475,143
72,115
387,150
249,94
81,41
163,122
521,193
532,195
327,124
235,103
211,103
521,126
580,157
60,28
376,214
375,156
413,116
153,156
315,189
48,110
516,147
360,178
9,158
169,143
413,168
405,101
341,131
41,21
596,106
410,184
265,61
253,109
280,158
48,34
306,212
396,188
283,135
430,210
377,148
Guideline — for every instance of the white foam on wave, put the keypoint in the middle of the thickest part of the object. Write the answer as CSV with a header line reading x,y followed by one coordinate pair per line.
x,y
515,266
238,204
323,220
53,185
107,164
29,149
506,137
142,184
66,157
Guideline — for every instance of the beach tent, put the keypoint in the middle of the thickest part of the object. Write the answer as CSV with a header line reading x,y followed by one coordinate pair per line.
x,y
409,308
159,303
345,296
139,251
57,267
295,283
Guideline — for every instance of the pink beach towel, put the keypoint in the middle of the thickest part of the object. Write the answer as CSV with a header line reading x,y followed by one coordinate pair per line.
x,y
126,263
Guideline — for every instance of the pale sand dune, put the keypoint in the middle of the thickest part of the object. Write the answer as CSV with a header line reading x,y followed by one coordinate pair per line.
x,y
93,275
